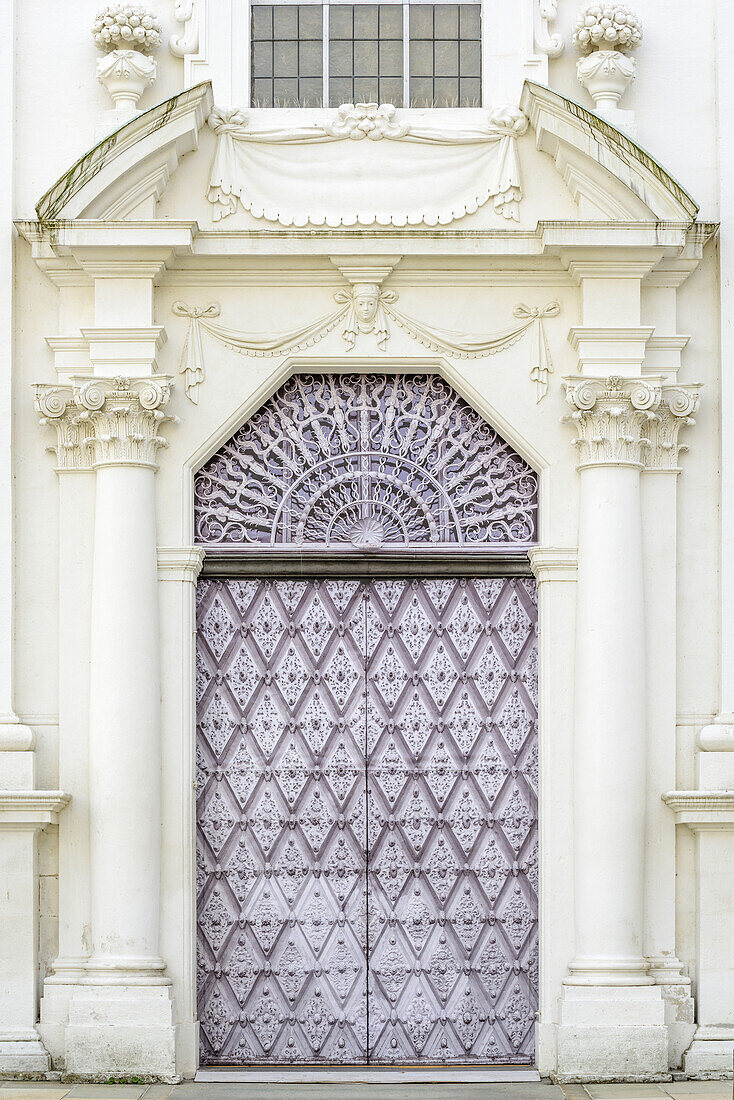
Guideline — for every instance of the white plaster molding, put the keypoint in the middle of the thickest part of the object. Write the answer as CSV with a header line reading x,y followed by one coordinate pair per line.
x,y
603,350
128,350
364,164
126,74
363,309
629,421
180,563
31,809
181,45
546,41
132,165
606,75
102,421
718,736
609,162
702,810
553,563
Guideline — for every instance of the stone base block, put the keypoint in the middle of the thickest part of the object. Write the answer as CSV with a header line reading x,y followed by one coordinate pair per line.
x,y
120,1031
679,1017
24,1056
610,1033
711,1054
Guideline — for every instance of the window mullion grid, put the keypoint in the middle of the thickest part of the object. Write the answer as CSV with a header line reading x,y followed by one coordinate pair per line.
x,y
406,53
325,52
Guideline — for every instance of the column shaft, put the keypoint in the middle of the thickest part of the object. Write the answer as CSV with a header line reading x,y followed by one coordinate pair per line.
x,y
124,722
609,754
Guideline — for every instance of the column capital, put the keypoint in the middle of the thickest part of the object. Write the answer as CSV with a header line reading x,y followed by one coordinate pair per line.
x,y
106,421
629,421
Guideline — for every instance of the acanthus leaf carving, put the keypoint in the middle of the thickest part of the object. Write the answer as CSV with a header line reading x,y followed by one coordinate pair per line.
x,y
629,420
106,420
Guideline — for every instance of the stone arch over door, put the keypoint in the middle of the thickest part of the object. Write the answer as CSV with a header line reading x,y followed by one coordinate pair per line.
x,y
366,748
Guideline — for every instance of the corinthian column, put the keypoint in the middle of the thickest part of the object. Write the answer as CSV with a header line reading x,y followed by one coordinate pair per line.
x,y
612,1014
117,422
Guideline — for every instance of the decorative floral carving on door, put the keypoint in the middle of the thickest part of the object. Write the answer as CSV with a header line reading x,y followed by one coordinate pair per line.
x,y
366,461
367,840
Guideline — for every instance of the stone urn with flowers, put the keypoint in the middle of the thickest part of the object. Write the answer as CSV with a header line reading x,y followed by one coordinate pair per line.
x,y
129,35
606,34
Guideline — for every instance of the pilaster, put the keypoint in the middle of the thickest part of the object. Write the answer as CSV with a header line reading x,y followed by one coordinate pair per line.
x,y
709,814
23,814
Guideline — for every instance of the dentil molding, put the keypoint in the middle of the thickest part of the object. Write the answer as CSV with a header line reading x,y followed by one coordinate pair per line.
x,y
629,421
103,421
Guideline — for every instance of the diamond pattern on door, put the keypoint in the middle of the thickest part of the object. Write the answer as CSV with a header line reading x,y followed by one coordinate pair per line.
x,y
367,778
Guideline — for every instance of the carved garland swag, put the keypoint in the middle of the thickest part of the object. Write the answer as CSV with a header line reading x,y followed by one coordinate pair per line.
x,y
365,308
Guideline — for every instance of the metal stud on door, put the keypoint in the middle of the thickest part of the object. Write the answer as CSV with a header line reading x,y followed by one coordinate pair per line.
x,y
367,778
281,866
452,856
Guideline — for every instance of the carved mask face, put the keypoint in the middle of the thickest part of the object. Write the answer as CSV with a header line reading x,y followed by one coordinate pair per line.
x,y
366,298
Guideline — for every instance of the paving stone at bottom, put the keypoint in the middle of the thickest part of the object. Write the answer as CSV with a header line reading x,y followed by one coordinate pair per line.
x,y
106,1092
32,1090
626,1092
340,1091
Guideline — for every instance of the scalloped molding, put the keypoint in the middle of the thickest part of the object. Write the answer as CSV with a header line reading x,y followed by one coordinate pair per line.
x,y
609,176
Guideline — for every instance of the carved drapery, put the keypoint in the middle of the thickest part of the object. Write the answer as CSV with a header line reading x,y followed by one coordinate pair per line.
x,y
630,421
363,461
329,172
366,308
106,420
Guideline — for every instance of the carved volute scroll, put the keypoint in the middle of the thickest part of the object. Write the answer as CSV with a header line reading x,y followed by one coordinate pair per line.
x,y
364,461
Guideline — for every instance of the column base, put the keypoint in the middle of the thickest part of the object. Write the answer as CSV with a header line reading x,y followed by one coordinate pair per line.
x,y
95,1031
22,1054
675,988
612,1033
119,1031
711,1054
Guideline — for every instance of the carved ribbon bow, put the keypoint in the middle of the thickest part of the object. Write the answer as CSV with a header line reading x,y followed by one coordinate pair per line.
x,y
540,359
192,356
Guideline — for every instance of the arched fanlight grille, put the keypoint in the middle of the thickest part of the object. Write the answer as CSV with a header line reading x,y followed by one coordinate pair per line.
x,y
364,461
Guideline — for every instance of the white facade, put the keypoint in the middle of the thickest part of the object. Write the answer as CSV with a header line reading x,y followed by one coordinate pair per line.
x,y
547,219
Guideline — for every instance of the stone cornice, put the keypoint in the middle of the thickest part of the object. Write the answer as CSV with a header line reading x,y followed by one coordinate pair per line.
x,y
702,810
629,421
31,809
70,251
180,563
553,563
102,421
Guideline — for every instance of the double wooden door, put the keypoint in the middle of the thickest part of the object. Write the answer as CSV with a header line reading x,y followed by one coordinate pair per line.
x,y
367,780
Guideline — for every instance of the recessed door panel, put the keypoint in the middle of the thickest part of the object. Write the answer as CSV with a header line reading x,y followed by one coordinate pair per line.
x,y
366,821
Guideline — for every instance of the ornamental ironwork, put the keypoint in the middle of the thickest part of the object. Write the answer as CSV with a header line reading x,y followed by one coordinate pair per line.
x,y
363,461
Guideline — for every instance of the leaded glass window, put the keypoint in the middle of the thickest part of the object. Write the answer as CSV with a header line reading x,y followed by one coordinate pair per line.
x,y
411,54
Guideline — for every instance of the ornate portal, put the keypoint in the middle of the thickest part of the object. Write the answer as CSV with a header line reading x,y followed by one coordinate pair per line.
x,y
367,779
364,461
